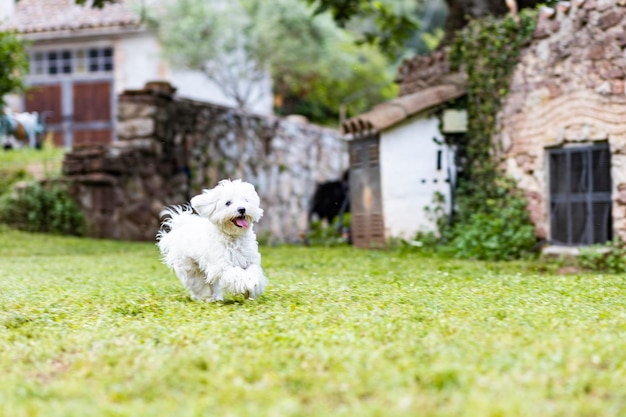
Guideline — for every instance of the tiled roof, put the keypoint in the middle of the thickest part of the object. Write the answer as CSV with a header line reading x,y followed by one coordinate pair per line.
x,y
392,112
55,15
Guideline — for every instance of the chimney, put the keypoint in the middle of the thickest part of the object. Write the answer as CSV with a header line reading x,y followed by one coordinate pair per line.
x,y
7,9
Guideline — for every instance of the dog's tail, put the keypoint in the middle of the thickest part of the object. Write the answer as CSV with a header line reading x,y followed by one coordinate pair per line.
x,y
169,217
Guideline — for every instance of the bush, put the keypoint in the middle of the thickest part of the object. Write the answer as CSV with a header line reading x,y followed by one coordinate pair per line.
x,y
499,229
487,228
8,177
42,208
332,234
610,257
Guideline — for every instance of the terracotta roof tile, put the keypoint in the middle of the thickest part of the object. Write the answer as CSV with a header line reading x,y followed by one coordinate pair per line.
x,y
55,15
394,111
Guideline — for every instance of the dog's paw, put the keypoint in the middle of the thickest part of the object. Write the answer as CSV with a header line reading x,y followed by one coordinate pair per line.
x,y
253,290
248,282
256,283
233,280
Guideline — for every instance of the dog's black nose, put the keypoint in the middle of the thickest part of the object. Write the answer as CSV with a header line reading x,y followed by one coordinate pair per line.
x,y
241,210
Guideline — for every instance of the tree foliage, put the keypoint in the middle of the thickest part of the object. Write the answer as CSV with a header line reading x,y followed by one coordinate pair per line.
x,y
13,64
309,58
391,28
215,38
312,59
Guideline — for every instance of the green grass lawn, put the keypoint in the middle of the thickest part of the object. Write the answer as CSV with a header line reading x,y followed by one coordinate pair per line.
x,y
39,163
99,328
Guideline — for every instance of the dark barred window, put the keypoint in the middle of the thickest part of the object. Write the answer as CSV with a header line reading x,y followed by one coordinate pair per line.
x,y
580,195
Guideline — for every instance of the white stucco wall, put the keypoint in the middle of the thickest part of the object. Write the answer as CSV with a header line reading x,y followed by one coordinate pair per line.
x,y
137,60
409,175
7,8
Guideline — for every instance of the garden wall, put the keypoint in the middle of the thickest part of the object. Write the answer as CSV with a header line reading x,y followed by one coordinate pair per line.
x,y
569,89
169,149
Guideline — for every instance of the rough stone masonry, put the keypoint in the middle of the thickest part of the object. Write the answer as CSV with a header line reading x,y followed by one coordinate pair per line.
x,y
169,149
568,89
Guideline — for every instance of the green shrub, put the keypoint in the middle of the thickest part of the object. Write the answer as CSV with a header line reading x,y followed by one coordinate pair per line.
x,y
332,234
491,221
610,257
42,208
495,227
498,229
8,177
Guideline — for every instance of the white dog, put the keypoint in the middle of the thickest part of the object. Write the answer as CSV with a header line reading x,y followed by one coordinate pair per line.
x,y
216,249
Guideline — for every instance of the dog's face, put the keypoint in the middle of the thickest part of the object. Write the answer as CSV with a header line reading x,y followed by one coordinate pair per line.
x,y
232,205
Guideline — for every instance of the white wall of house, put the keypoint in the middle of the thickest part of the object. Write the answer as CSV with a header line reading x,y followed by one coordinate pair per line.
x,y
137,60
409,175
7,8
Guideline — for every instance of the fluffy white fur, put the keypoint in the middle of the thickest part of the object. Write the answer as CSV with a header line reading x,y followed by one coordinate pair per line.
x,y
215,250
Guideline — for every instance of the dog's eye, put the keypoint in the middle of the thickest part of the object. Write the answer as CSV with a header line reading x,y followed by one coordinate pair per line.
x,y
228,203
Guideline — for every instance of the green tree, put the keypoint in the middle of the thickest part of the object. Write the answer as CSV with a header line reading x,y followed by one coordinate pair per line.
x,y
389,31
13,65
392,27
391,22
309,58
215,38
317,66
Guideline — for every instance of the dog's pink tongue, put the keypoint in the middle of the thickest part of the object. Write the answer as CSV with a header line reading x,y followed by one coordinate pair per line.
x,y
241,222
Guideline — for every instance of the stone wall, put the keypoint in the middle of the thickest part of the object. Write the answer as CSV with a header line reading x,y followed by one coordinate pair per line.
x,y
169,149
568,89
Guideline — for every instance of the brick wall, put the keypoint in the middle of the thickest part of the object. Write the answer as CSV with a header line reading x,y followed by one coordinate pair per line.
x,y
569,89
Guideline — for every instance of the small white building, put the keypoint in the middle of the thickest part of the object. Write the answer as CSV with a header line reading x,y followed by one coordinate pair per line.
x,y
399,164
81,58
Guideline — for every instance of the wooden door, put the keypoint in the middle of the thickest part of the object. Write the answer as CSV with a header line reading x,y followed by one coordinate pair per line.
x,y
366,210
79,113
91,105
47,101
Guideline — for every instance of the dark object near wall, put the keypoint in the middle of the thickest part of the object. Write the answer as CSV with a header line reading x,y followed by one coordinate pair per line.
x,y
330,200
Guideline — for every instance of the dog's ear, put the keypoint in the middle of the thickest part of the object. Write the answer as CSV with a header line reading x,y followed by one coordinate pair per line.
x,y
205,203
251,192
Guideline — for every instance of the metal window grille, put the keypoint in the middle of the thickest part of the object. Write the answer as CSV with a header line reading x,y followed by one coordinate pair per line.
x,y
580,195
